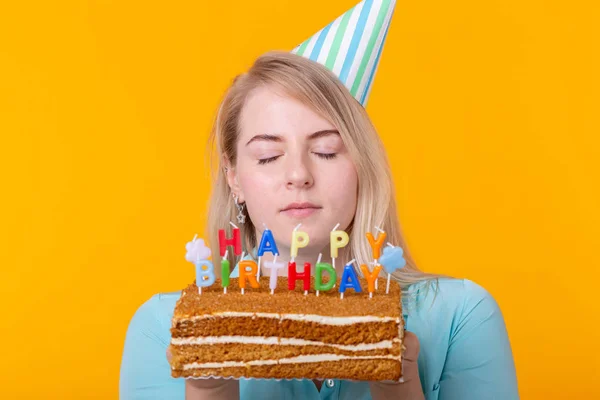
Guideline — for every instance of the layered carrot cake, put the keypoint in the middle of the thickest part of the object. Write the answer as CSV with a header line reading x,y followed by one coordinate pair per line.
x,y
288,334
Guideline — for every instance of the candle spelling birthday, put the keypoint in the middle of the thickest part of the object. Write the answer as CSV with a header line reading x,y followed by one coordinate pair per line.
x,y
249,271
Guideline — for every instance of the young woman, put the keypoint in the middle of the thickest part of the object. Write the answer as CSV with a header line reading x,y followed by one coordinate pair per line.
x,y
294,146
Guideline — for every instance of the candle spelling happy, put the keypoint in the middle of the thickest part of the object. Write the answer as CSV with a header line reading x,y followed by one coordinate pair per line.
x,y
376,246
235,241
267,245
299,239
337,240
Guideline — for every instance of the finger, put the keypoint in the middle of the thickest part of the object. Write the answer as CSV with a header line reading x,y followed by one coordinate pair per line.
x,y
412,347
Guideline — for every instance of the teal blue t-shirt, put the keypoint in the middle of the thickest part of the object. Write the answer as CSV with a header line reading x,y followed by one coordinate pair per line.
x,y
465,352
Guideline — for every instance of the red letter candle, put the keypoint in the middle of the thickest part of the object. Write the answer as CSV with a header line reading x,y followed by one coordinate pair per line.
x,y
235,241
293,276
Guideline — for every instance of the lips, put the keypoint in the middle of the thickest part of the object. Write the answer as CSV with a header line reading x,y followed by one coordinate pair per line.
x,y
300,206
300,210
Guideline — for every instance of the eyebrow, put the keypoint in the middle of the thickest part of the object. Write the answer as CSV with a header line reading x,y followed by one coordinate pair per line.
x,y
277,138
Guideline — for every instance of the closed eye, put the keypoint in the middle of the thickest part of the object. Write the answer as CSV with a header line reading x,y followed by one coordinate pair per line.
x,y
267,160
326,156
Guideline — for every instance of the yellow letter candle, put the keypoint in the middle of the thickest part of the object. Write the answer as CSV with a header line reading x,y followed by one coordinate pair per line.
x,y
338,239
299,240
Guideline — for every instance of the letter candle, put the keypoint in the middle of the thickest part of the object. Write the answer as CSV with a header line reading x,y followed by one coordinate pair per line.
x,y
299,240
273,266
376,246
225,272
337,239
349,279
235,240
391,260
371,277
267,244
293,276
250,275
205,274
319,268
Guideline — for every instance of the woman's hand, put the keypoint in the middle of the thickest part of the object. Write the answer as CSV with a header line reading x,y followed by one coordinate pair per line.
x,y
199,389
410,389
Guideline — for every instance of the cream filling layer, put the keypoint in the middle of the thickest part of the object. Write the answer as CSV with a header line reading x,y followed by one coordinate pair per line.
x,y
273,340
292,360
320,319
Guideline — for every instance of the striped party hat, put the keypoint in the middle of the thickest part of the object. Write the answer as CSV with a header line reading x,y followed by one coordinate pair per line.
x,y
351,45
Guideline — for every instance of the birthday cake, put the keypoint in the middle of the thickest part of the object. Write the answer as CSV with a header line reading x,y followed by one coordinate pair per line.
x,y
287,334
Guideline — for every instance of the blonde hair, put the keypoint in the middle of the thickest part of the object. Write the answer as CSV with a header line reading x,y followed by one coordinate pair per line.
x,y
317,87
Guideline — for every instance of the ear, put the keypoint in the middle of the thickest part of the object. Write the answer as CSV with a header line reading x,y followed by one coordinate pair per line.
x,y
232,180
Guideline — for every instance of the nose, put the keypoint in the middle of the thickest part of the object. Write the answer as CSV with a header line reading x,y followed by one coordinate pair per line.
x,y
298,173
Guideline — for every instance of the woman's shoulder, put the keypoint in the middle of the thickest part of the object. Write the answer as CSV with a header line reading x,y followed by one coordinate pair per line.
x,y
144,363
155,313
447,302
451,292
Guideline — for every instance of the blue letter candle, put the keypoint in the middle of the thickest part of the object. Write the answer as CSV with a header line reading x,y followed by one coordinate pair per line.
x,y
205,273
267,244
349,279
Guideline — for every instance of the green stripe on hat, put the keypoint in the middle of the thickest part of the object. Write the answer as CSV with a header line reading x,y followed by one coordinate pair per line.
x,y
350,45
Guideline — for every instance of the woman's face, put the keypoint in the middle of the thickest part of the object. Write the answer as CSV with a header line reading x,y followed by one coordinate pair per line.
x,y
292,168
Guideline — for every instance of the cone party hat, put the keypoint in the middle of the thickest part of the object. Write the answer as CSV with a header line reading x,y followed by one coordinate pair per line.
x,y
351,45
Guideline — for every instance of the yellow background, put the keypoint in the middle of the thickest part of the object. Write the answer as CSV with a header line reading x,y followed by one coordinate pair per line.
x,y
490,107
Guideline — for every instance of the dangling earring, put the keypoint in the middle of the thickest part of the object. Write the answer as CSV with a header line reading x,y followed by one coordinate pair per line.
x,y
241,217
